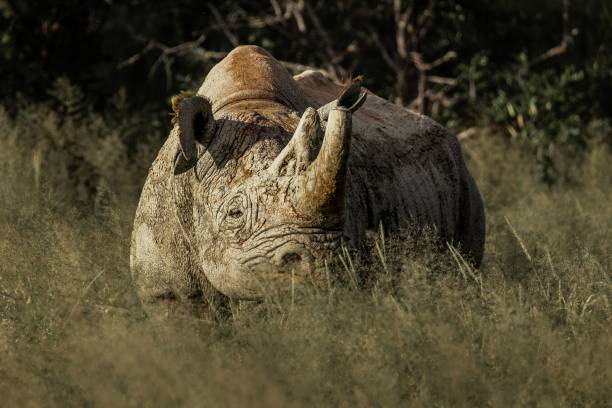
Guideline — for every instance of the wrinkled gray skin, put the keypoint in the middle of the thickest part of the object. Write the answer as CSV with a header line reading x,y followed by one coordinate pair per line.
x,y
253,185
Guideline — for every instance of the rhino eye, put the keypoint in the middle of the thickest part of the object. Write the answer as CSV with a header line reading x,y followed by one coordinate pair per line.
x,y
234,215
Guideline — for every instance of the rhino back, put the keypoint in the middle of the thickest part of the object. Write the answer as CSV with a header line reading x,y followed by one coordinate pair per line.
x,y
404,168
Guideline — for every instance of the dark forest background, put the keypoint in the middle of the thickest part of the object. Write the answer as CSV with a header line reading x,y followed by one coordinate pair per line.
x,y
538,72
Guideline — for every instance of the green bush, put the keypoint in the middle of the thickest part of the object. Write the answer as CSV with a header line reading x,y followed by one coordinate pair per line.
x,y
550,113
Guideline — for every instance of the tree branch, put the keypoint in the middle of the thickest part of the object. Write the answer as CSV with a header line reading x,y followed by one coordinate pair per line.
x,y
193,48
401,25
567,38
223,25
334,56
383,51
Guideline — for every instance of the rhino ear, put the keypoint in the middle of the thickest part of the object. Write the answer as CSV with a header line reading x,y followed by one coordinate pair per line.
x,y
196,125
181,164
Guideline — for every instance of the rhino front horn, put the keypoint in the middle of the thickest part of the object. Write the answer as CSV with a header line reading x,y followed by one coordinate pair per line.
x,y
321,188
195,125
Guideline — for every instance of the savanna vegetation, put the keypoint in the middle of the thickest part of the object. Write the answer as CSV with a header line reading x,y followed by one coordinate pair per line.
x,y
525,85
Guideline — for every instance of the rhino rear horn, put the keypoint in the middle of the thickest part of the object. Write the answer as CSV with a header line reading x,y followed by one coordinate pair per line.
x,y
196,125
351,98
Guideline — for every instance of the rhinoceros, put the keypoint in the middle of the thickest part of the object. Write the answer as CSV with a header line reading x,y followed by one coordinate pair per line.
x,y
264,175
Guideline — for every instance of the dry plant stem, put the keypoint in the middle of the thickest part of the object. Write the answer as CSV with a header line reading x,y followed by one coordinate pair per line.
x,y
518,239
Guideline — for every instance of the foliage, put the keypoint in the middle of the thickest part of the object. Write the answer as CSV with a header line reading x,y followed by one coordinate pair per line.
x,y
549,112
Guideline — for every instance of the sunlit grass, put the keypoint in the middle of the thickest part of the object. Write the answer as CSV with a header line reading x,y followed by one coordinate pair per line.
x,y
402,323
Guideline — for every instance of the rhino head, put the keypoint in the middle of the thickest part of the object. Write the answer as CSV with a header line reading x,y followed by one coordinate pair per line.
x,y
259,175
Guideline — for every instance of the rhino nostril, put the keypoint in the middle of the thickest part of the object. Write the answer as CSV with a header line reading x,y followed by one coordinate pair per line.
x,y
294,259
291,259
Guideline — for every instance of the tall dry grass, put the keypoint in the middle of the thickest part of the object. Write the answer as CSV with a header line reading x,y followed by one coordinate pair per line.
x,y
531,327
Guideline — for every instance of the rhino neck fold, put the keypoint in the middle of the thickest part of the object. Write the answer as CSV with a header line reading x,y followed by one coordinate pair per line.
x,y
252,95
